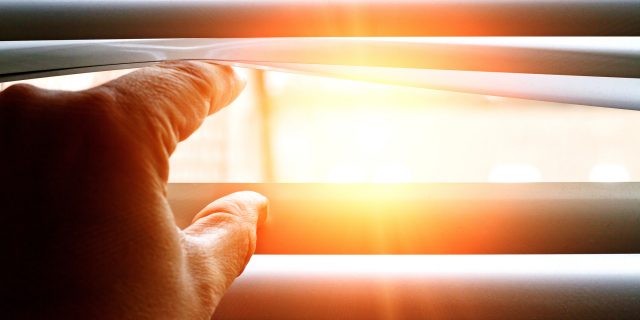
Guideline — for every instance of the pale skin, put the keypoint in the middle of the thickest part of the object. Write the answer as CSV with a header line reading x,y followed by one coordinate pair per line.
x,y
87,230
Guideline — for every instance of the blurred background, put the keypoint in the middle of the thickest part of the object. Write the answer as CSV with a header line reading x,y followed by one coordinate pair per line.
x,y
300,128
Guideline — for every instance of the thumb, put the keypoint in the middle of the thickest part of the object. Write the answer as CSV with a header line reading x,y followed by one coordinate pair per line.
x,y
221,240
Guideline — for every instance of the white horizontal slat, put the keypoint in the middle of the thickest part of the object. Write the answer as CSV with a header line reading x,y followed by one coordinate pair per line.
x,y
590,71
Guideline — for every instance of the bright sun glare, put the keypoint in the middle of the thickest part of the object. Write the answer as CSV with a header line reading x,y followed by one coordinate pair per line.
x,y
609,173
344,131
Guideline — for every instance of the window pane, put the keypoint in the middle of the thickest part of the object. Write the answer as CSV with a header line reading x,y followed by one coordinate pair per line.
x,y
299,128
328,130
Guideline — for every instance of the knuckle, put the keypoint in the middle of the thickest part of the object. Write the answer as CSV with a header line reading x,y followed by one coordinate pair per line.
x,y
232,207
189,67
233,225
228,218
97,109
20,91
190,75
100,97
97,116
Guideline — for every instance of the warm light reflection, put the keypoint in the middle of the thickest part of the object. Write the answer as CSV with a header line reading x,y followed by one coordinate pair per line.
x,y
345,173
513,173
609,173
459,265
330,130
393,173
350,131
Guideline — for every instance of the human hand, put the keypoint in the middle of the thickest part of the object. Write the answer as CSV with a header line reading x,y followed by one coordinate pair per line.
x,y
88,232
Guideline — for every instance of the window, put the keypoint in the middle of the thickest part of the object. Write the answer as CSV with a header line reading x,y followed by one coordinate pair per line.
x,y
298,128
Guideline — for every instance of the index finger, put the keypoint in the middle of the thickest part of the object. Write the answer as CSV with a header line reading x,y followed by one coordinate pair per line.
x,y
174,98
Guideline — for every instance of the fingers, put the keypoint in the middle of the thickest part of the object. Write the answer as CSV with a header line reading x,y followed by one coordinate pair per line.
x,y
250,205
173,98
222,238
